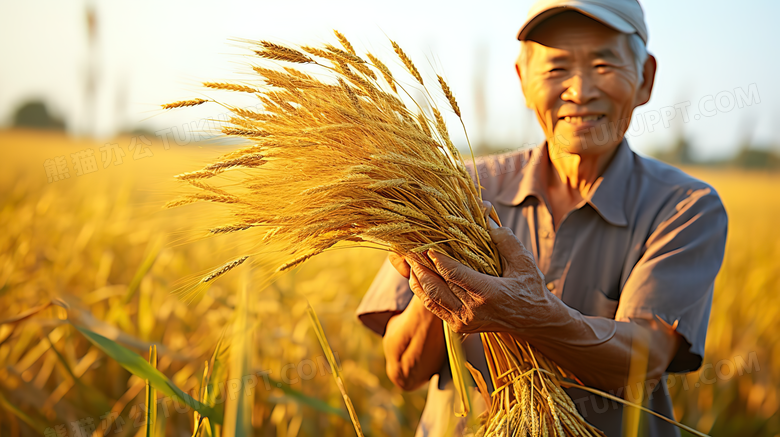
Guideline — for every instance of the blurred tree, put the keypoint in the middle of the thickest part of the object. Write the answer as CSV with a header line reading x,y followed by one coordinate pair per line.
x,y
679,153
34,114
752,157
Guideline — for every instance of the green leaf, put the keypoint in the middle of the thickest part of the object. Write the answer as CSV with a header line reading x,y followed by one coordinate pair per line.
x,y
139,367
217,375
151,396
95,398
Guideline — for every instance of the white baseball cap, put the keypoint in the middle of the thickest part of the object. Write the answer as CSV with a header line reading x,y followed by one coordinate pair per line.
x,y
625,16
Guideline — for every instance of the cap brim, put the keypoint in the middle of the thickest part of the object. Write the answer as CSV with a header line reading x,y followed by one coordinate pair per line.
x,y
597,13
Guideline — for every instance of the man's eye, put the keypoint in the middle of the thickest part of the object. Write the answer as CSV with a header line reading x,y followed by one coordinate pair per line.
x,y
556,70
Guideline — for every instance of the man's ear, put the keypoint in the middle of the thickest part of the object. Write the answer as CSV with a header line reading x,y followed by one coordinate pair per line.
x,y
522,85
646,89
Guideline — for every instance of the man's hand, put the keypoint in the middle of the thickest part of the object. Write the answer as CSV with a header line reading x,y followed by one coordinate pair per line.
x,y
470,301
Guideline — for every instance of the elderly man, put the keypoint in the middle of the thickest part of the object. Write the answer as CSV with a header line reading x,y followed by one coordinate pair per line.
x,y
627,247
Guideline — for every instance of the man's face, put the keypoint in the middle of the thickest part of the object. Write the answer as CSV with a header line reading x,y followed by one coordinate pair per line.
x,y
581,80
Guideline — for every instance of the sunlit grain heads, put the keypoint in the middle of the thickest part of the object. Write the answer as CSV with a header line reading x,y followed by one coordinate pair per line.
x,y
297,261
384,70
224,269
243,132
285,80
249,161
245,113
405,210
441,128
230,87
468,224
433,192
199,174
415,163
352,58
425,247
407,61
477,260
386,184
448,94
279,52
388,229
379,214
423,123
352,97
344,42
216,198
362,169
184,103
180,202
227,229
355,61
198,183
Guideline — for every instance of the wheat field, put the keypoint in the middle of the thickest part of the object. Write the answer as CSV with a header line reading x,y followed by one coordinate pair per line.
x,y
101,245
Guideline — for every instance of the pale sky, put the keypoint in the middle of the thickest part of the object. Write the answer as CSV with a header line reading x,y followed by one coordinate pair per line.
x,y
151,52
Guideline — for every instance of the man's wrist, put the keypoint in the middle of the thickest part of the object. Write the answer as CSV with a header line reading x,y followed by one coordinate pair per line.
x,y
549,320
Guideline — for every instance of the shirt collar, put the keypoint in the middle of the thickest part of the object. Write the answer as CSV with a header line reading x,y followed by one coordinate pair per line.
x,y
606,196
529,181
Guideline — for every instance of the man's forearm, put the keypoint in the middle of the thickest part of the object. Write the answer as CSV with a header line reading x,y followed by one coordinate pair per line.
x,y
414,346
601,351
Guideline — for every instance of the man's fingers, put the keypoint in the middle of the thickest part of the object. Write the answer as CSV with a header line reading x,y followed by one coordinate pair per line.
x,y
511,249
433,287
427,302
455,272
438,311
400,264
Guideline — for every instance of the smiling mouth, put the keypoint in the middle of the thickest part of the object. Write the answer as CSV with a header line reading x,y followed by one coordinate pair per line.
x,y
583,119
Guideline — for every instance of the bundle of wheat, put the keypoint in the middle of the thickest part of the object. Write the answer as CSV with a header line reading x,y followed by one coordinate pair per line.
x,y
336,155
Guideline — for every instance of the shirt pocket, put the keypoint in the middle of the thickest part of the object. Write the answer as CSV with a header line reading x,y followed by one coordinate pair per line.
x,y
599,304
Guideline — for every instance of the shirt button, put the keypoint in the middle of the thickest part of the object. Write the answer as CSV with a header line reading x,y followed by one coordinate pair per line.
x,y
550,286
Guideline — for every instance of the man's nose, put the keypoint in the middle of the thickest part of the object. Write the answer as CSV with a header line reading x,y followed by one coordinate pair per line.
x,y
580,89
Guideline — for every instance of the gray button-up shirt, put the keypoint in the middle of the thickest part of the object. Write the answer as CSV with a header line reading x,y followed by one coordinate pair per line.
x,y
646,242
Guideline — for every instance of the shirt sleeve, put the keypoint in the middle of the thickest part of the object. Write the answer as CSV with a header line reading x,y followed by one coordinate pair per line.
x,y
388,295
674,278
